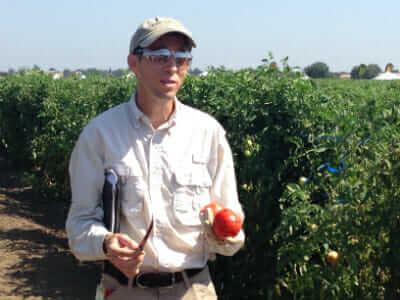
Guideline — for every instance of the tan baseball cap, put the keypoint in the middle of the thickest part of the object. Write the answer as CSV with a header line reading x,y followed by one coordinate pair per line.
x,y
153,29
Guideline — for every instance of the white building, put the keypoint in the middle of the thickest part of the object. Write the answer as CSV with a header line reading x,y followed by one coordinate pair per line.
x,y
387,76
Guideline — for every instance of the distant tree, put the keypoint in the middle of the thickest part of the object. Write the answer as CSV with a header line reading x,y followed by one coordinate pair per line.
x,y
22,70
354,72
90,71
365,72
317,70
118,73
11,71
67,73
358,71
361,70
36,68
195,71
389,67
372,71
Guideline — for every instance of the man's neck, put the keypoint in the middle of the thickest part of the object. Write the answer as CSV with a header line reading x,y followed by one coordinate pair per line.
x,y
157,110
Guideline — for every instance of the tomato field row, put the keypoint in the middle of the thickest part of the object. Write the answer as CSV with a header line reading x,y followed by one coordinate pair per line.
x,y
318,165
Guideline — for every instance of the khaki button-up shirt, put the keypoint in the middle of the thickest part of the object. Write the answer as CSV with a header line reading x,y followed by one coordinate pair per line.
x,y
173,172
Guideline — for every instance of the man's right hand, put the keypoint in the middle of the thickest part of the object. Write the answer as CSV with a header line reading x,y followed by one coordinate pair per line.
x,y
122,252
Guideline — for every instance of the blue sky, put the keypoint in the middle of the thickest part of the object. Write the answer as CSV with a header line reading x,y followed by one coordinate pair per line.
x,y
237,34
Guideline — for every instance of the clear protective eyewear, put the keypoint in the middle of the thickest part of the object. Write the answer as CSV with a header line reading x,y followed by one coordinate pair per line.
x,y
162,56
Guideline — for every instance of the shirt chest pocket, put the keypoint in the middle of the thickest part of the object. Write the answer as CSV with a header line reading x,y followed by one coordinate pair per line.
x,y
192,192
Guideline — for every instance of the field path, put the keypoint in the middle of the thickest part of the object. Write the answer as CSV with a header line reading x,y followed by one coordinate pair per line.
x,y
34,259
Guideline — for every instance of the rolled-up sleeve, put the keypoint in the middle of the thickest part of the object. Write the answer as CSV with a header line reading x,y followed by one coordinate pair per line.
x,y
84,225
224,188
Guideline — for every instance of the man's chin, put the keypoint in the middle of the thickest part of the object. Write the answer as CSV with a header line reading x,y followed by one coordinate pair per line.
x,y
167,96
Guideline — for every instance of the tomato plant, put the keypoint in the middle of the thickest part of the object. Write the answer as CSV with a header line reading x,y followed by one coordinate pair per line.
x,y
317,164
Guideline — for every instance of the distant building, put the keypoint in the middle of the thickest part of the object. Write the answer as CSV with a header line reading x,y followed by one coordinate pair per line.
x,y
53,72
305,76
344,76
388,76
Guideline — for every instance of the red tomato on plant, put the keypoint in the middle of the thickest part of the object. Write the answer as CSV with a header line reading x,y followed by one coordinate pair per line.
x,y
215,207
227,223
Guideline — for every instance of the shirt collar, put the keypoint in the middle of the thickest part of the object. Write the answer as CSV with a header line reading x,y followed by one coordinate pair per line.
x,y
138,115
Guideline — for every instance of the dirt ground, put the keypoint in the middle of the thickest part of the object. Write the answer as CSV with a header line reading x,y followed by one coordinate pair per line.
x,y
35,262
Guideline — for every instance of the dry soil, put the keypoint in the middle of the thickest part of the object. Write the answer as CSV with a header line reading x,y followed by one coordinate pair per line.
x,y
35,262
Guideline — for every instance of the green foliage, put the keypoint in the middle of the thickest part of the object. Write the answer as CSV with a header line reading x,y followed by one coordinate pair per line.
x,y
21,100
354,211
41,120
317,161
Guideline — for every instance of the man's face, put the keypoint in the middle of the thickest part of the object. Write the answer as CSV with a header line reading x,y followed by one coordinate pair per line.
x,y
161,81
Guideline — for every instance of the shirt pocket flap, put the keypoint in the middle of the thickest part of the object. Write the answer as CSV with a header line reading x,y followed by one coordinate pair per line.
x,y
195,175
199,158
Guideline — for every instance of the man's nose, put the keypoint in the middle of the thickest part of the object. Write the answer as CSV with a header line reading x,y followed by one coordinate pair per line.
x,y
171,63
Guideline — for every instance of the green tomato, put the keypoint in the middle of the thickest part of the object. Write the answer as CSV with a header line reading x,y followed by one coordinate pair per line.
x,y
303,180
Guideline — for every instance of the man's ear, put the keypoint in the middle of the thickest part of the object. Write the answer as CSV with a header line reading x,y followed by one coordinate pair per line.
x,y
132,62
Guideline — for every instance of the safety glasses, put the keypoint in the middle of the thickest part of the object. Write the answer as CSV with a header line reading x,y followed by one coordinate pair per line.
x,y
162,56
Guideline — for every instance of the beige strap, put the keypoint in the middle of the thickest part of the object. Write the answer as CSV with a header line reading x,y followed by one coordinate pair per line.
x,y
130,282
100,291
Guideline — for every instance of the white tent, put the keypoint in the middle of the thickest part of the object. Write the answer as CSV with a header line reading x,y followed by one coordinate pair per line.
x,y
130,75
57,76
387,76
305,76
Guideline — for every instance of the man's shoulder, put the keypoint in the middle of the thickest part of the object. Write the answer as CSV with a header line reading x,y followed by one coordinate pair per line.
x,y
197,116
111,113
108,118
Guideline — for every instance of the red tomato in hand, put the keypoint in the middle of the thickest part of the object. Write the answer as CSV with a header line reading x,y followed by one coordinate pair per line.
x,y
215,207
108,292
227,223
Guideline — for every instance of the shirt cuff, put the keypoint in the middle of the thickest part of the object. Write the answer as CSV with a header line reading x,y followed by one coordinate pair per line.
x,y
100,242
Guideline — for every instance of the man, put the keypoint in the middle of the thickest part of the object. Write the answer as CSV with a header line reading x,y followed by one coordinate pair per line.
x,y
174,161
